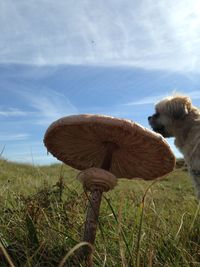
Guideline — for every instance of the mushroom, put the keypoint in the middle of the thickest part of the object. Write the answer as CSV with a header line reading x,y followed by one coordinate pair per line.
x,y
104,148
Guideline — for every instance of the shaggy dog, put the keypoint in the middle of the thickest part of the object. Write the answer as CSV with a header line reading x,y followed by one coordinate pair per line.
x,y
176,117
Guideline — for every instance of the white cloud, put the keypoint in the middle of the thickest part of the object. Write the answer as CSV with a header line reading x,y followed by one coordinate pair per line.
x,y
13,137
148,34
13,112
48,105
33,159
154,99
32,153
146,100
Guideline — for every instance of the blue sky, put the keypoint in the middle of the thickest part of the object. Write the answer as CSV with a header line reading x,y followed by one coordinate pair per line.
x,y
110,57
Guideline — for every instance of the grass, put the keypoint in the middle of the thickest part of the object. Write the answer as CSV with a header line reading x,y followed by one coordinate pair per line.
x,y
42,212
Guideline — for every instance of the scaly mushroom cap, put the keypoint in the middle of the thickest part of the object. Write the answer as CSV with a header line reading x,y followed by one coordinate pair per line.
x,y
97,178
81,141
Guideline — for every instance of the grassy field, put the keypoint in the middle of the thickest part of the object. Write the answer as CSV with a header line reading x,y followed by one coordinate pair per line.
x,y
42,213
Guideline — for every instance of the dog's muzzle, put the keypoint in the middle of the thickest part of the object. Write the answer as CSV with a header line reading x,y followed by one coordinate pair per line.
x,y
157,128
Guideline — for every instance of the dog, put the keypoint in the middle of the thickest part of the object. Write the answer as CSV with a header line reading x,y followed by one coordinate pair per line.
x,y
175,116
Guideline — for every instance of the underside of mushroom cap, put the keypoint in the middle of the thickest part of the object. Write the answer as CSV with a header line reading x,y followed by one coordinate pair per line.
x,y
82,141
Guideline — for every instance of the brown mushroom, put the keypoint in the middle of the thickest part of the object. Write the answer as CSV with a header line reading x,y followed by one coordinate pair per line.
x,y
105,148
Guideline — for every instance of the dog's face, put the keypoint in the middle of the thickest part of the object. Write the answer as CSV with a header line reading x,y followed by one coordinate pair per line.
x,y
170,112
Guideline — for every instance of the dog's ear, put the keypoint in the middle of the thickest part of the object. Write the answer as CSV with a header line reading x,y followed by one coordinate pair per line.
x,y
179,107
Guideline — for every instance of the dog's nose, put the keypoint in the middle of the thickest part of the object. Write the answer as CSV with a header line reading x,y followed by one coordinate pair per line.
x,y
149,118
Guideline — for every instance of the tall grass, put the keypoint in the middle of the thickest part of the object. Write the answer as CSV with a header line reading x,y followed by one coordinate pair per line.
x,y
42,214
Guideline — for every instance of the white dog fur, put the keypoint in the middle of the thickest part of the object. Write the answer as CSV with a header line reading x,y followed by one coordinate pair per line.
x,y
176,117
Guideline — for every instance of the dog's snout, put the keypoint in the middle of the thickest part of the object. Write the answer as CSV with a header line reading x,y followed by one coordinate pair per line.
x,y
153,117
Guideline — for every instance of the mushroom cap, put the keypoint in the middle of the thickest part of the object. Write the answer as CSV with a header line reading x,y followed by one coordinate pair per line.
x,y
97,178
81,141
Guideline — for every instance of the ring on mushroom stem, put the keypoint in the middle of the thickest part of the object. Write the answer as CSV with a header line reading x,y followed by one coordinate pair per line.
x,y
115,148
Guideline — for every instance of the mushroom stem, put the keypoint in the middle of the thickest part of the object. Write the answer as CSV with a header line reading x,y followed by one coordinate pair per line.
x,y
92,220
94,205
108,157
96,181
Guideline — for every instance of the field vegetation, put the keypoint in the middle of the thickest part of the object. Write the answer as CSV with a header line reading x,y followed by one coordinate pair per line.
x,y
42,214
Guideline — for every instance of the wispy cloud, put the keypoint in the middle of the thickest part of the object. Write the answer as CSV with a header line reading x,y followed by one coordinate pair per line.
x,y
30,152
13,112
13,137
148,34
153,99
146,100
48,105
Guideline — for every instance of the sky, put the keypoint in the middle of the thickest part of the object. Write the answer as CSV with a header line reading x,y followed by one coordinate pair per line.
x,y
113,57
